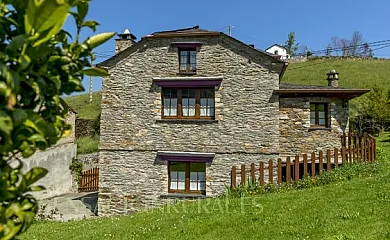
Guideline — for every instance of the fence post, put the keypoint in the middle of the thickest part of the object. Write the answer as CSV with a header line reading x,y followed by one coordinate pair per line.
x,y
343,152
349,138
336,157
271,171
328,162
296,162
233,176
243,174
252,173
288,170
313,164
261,173
279,171
305,165
321,156
365,146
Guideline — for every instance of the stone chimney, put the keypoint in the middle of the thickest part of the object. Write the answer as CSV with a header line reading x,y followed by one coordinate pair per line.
x,y
124,40
333,78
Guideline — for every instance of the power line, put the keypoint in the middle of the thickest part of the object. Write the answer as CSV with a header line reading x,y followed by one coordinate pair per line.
x,y
358,46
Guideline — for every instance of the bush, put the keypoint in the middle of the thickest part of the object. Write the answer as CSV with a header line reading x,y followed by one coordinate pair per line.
x,y
77,169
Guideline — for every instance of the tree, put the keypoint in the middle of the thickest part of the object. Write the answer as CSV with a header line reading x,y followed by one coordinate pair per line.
x,y
291,44
350,47
371,112
39,63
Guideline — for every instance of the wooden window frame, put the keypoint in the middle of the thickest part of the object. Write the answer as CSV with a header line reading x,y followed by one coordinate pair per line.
x,y
317,118
188,63
187,182
179,104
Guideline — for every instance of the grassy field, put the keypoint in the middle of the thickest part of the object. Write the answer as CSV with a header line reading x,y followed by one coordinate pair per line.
x,y
355,209
353,73
80,103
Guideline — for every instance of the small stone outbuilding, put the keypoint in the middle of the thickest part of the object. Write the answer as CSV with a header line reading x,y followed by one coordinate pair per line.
x,y
181,107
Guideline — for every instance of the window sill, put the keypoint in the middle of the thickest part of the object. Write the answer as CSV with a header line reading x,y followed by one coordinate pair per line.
x,y
319,128
182,195
187,121
186,73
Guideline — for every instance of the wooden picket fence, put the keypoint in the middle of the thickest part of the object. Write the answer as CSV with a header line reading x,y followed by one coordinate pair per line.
x,y
89,181
361,148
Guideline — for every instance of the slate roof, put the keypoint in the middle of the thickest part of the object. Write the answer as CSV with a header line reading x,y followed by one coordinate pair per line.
x,y
276,45
186,30
301,86
293,90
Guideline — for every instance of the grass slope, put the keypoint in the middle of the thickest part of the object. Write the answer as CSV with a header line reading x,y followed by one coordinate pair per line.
x,y
353,73
356,209
80,103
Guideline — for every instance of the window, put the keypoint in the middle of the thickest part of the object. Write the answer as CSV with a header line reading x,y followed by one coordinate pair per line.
x,y
319,115
188,103
187,60
276,52
187,177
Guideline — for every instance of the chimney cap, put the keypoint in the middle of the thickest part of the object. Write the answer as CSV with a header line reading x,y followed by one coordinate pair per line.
x,y
332,72
126,35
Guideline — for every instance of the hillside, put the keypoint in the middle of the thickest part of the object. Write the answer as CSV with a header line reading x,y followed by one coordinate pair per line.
x,y
80,103
353,73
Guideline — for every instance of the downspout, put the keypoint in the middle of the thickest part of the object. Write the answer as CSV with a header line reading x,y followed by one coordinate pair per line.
x,y
285,65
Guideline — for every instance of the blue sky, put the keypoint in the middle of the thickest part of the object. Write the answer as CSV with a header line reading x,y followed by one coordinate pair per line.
x,y
257,22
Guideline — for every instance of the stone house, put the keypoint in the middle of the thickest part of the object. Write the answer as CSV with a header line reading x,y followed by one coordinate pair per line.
x,y
181,107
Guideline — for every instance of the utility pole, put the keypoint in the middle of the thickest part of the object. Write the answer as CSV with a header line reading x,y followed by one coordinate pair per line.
x,y
90,86
230,30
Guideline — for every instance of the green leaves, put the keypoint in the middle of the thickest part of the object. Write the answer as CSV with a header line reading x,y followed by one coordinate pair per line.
x,y
45,14
99,39
96,72
39,63
34,175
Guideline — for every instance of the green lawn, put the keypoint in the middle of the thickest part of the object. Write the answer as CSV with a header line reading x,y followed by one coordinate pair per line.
x,y
353,73
80,103
355,209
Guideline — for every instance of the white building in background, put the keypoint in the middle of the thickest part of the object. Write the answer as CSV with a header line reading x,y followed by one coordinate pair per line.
x,y
279,50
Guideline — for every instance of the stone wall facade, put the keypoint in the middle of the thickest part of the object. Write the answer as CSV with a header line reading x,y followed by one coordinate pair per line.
x,y
132,131
296,136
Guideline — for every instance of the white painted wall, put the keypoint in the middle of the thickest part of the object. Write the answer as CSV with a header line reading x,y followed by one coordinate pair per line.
x,y
280,51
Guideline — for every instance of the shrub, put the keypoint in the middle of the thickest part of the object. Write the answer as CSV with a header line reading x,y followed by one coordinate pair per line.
x,y
76,168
